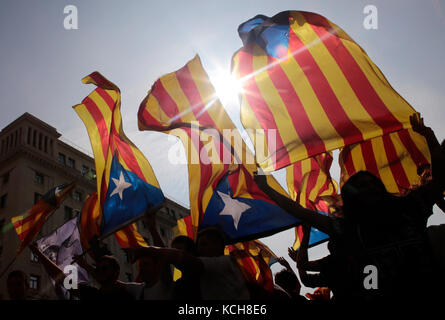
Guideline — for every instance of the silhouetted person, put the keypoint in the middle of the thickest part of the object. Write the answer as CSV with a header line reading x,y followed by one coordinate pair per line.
x,y
188,286
380,229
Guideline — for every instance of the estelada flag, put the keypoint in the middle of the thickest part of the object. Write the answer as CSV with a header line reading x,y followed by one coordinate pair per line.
x,y
29,224
126,183
221,168
307,82
90,222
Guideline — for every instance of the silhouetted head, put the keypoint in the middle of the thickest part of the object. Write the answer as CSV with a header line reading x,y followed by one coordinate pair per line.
x,y
184,243
288,281
107,270
210,242
17,284
361,192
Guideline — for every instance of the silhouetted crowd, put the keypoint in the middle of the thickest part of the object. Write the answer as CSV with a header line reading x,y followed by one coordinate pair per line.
x,y
380,249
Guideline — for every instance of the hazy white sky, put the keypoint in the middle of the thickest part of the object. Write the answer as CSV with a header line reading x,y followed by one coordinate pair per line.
x,y
132,43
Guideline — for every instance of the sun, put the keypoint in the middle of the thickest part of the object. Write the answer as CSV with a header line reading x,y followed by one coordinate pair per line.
x,y
227,87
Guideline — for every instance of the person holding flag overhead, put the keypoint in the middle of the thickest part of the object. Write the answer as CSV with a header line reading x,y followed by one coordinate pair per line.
x,y
29,224
308,81
382,230
221,185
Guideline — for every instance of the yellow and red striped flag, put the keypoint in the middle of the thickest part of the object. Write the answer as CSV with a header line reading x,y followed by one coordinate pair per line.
x,y
221,167
253,258
129,237
308,181
393,158
29,224
119,163
311,87
90,220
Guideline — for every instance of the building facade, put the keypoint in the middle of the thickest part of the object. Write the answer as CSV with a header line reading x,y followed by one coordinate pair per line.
x,y
34,159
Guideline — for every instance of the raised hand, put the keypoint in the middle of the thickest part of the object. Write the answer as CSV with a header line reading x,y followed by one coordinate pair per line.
x,y
292,254
417,124
283,262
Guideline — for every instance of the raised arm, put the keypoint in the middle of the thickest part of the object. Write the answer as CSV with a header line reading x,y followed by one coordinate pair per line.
x,y
303,263
50,267
315,219
180,259
434,188
285,264
150,220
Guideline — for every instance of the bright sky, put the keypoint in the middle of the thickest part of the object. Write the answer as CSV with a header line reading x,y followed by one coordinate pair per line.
x,y
132,43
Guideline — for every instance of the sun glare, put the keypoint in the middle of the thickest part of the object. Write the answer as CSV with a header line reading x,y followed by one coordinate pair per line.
x,y
227,87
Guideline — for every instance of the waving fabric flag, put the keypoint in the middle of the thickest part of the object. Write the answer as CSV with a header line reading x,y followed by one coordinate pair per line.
x,y
123,173
60,247
29,224
308,181
393,158
306,81
90,222
254,259
222,190
129,237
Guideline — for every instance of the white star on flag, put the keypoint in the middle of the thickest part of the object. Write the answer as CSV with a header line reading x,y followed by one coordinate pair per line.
x,y
121,185
232,207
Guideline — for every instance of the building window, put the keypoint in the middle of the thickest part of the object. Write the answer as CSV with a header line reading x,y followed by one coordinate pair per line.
x,y
34,282
34,258
85,170
77,196
45,148
62,158
37,197
34,133
127,258
29,135
71,163
129,277
40,141
68,213
38,178
3,201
